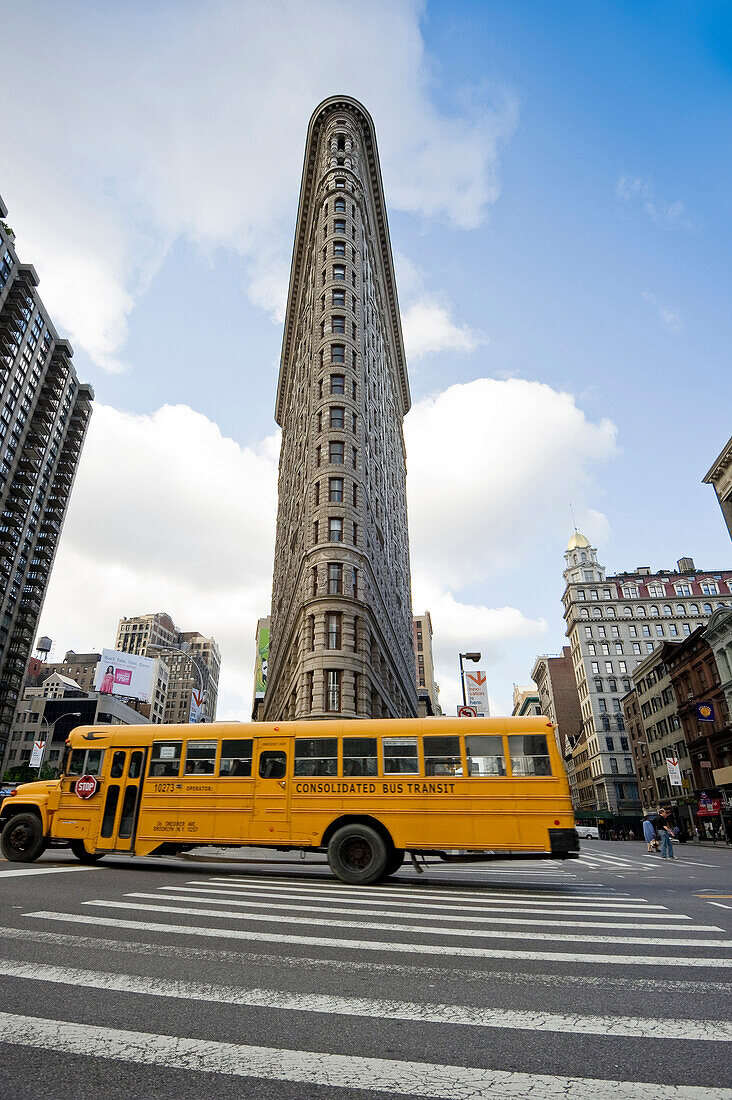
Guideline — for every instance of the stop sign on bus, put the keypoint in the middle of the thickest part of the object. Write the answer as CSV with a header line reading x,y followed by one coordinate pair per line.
x,y
86,786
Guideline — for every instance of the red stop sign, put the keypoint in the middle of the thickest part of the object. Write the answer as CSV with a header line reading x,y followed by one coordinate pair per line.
x,y
86,786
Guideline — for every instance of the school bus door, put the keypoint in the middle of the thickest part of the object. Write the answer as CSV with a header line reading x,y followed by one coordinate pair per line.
x,y
271,789
122,800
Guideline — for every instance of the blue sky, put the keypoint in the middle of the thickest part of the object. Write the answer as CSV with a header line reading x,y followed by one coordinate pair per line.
x,y
556,177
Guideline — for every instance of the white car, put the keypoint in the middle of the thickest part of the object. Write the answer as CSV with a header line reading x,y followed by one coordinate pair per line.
x,y
588,832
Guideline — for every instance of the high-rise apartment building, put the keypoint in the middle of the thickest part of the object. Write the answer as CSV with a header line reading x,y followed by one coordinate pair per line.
x,y
612,624
428,690
193,661
341,640
44,413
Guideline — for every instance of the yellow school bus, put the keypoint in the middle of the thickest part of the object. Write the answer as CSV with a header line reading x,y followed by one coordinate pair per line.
x,y
365,791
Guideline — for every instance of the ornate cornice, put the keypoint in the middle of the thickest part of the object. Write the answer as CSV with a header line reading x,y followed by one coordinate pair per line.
x,y
358,114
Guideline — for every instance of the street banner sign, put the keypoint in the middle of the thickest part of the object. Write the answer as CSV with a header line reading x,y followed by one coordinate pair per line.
x,y
674,771
708,807
37,754
86,786
196,706
705,712
476,693
467,712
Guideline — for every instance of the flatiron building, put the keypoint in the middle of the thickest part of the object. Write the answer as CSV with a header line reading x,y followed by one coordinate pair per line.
x,y
341,623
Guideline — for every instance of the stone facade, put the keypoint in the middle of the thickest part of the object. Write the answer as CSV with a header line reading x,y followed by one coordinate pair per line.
x,y
44,414
720,476
341,642
613,622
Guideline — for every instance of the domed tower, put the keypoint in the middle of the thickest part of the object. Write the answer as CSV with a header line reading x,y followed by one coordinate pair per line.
x,y
341,624
581,558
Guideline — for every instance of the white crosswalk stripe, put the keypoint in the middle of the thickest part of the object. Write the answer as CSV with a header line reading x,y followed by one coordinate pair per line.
x,y
571,930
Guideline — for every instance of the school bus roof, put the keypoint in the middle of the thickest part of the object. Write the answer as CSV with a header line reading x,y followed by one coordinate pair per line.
x,y
102,736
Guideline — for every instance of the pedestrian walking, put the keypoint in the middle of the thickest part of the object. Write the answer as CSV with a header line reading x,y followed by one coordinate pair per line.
x,y
649,833
664,826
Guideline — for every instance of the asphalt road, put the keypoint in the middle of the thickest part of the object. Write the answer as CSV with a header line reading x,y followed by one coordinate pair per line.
x,y
603,977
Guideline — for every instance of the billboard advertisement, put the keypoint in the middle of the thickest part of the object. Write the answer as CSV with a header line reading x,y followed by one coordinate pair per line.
x,y
476,693
126,675
262,659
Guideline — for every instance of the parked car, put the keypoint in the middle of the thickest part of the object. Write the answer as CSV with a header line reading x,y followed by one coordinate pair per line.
x,y
588,832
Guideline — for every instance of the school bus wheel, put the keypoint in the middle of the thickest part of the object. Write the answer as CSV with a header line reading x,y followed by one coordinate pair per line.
x,y
22,838
357,854
394,861
79,848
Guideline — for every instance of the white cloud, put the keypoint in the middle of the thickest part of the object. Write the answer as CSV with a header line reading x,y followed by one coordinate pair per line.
x,y
168,515
669,317
156,122
493,466
663,213
428,327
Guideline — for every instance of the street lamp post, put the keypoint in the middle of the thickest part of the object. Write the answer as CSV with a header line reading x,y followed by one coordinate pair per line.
x,y
466,657
51,727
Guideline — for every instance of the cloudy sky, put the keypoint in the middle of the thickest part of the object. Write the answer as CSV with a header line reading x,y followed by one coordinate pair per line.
x,y
557,183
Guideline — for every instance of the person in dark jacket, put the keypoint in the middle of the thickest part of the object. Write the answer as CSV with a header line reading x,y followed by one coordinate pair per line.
x,y
663,824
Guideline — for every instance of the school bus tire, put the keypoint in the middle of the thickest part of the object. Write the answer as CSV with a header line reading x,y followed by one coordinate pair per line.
x,y
22,839
394,862
358,855
82,853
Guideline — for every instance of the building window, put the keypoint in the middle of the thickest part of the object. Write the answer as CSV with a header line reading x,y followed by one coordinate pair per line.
x,y
315,531
623,666
339,272
337,417
335,529
314,581
339,299
609,667
709,588
333,635
588,632
339,248
332,690
355,534
339,225
339,325
659,630
355,582
311,632
335,490
337,353
682,589
317,492
337,383
355,495
340,183
707,609
354,457
667,610
339,206
630,591
335,578
317,456
595,667
335,452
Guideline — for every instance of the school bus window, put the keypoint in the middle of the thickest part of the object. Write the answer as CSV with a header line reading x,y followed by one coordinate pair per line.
x,y
359,756
165,758
135,769
400,756
127,818
200,757
442,756
529,754
272,765
316,756
85,761
485,754
118,765
236,757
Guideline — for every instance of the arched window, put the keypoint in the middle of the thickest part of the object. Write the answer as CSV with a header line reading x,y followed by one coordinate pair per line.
x,y
641,612
680,609
610,613
707,609
584,614
694,609
654,611
667,610
628,612
596,613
